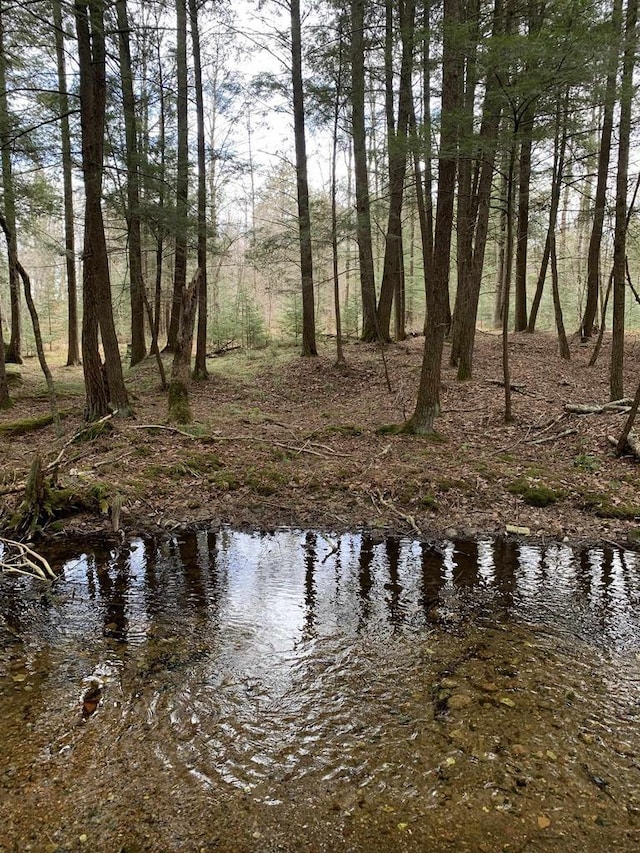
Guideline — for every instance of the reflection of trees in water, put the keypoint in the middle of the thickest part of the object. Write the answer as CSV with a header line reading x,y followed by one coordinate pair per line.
x,y
310,548
392,548
365,577
113,581
505,561
14,611
193,560
432,576
181,586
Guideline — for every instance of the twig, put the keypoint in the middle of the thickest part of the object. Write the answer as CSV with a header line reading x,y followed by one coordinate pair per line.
x,y
26,557
552,423
52,466
554,437
408,518
104,462
165,428
307,447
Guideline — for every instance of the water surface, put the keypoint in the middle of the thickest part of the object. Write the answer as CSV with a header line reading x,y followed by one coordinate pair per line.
x,y
305,691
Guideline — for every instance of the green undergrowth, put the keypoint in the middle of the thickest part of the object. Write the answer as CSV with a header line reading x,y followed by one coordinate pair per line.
x,y
266,480
429,501
602,506
45,503
534,493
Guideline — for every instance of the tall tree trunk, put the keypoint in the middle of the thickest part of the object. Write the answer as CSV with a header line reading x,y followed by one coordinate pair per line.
x,y
200,366
426,232
340,359
506,285
392,276
599,205
424,192
616,383
5,398
477,213
522,235
14,350
426,124
182,175
556,191
134,239
563,343
465,214
304,216
179,408
428,401
363,205
160,226
500,244
97,306
562,132
73,350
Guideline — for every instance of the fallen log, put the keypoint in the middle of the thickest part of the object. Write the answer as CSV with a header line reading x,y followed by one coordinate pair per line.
x,y
623,405
632,444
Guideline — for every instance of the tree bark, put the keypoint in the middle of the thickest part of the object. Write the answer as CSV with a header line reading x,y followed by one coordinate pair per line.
x,y
363,205
14,349
5,398
428,401
160,227
73,350
471,253
304,216
97,307
563,344
392,277
340,359
506,285
134,239
179,408
599,205
522,234
616,383
200,367
466,202
182,175
560,146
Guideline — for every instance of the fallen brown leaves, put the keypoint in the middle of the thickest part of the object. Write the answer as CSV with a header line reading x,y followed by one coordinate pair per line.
x,y
299,442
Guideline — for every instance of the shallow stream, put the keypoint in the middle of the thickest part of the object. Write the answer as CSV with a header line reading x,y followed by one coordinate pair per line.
x,y
302,691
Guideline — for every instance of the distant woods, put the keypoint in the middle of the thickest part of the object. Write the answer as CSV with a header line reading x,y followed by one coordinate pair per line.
x,y
368,168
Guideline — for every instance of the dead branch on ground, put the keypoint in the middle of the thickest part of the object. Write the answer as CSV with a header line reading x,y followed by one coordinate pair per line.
x,y
623,405
631,445
18,558
408,518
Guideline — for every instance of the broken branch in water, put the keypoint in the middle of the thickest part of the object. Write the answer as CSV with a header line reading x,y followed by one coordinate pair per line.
x,y
20,559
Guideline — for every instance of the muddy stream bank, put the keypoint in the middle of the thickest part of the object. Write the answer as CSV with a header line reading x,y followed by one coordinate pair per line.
x,y
301,691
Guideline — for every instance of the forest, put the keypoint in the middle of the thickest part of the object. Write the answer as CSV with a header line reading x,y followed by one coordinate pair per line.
x,y
319,508
185,182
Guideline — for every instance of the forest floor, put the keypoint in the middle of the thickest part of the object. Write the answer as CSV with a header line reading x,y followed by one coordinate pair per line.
x,y
278,440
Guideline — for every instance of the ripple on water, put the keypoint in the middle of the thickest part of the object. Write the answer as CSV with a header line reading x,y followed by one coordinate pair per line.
x,y
258,660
